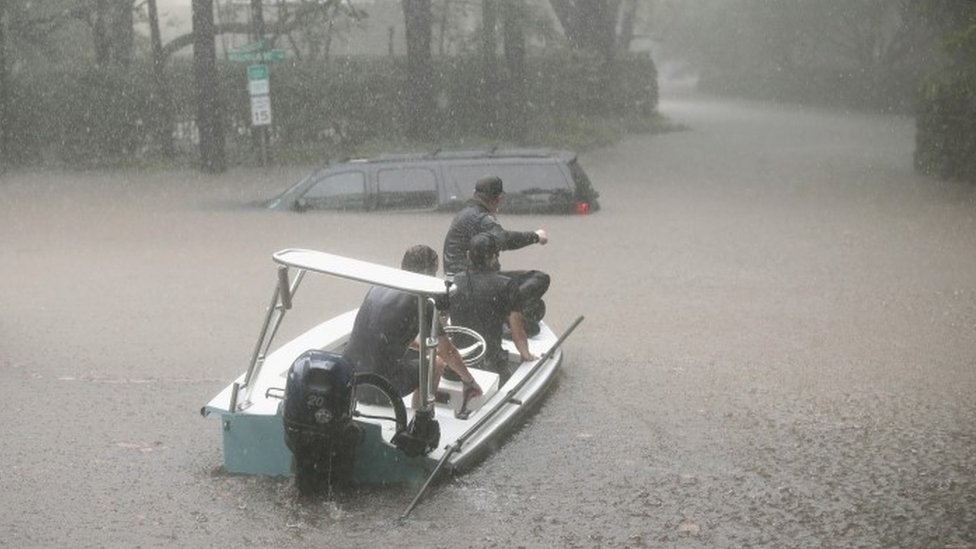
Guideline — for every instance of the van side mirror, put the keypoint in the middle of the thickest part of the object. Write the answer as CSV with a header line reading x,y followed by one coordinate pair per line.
x,y
300,205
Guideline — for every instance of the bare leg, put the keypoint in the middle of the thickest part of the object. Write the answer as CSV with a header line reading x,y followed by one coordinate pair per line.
x,y
435,382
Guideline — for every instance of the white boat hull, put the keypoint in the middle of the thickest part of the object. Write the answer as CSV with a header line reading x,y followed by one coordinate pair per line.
x,y
253,430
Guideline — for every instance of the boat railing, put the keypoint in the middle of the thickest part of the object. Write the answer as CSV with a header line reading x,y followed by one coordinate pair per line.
x,y
281,301
425,288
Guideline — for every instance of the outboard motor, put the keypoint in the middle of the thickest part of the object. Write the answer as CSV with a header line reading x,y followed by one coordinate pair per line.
x,y
319,430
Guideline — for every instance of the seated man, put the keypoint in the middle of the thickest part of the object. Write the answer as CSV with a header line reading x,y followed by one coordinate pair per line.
x,y
479,216
485,299
386,327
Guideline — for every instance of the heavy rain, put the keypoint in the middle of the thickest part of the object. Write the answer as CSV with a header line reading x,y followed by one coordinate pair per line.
x,y
779,284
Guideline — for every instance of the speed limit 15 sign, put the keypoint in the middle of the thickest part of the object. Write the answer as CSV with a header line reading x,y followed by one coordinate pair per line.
x,y
260,110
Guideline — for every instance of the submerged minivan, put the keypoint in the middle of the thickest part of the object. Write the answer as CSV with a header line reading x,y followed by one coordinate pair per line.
x,y
536,181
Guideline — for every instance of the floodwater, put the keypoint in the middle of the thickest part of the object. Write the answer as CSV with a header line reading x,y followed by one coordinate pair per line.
x,y
779,351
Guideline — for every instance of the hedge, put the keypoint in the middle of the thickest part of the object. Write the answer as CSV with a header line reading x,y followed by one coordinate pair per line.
x,y
945,138
97,116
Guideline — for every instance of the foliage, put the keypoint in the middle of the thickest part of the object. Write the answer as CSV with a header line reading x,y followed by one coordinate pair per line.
x,y
81,117
579,81
98,116
67,32
946,117
588,24
348,101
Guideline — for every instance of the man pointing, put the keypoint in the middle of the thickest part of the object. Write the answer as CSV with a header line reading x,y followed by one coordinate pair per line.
x,y
478,216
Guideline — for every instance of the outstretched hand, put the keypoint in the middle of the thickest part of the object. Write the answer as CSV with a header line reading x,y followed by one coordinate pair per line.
x,y
543,236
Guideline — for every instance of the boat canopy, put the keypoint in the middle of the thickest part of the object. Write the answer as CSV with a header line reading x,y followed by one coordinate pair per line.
x,y
362,271
425,288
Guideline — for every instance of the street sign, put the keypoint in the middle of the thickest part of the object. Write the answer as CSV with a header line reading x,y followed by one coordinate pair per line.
x,y
257,72
257,80
260,110
258,87
257,56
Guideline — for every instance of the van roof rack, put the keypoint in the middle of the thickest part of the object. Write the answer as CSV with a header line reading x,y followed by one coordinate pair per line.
x,y
461,154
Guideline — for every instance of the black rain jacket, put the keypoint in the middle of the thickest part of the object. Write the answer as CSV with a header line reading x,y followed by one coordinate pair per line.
x,y
474,219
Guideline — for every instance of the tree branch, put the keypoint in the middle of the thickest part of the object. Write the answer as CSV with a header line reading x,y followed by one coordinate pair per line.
x,y
279,28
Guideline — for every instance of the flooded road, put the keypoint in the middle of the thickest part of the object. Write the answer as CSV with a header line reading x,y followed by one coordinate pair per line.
x,y
779,351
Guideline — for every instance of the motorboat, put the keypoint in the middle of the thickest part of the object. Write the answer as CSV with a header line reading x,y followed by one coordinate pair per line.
x,y
294,411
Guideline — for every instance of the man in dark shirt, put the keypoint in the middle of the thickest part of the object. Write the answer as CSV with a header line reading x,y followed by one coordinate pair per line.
x,y
485,299
387,325
478,216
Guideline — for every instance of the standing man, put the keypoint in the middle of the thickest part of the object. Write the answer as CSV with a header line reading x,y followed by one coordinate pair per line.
x,y
485,299
386,327
478,216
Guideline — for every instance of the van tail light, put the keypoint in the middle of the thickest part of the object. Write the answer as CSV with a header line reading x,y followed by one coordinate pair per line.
x,y
582,208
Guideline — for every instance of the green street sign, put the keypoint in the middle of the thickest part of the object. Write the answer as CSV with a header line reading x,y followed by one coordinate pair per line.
x,y
257,80
257,56
257,72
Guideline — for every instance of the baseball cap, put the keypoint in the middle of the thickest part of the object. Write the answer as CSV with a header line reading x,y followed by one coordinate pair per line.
x,y
491,186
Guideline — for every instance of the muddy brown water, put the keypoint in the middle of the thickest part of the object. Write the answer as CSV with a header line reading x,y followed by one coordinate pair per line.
x,y
779,351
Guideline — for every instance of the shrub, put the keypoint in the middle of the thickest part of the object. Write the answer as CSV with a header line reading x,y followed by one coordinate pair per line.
x,y
84,117
945,136
104,116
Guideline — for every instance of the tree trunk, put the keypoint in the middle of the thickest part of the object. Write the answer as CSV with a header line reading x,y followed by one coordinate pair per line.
x,y
627,20
100,33
4,90
588,24
418,19
122,33
595,22
209,120
164,113
565,12
442,35
514,44
490,79
257,19
327,47
258,133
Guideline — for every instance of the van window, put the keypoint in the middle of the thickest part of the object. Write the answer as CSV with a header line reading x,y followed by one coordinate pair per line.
x,y
406,189
338,191
518,178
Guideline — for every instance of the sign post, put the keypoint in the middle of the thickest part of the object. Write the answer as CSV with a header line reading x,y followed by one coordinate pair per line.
x,y
256,54
259,88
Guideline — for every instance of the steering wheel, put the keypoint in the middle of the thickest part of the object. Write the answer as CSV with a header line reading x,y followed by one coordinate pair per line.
x,y
469,343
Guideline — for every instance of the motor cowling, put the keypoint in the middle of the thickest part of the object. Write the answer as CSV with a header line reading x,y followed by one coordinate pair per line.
x,y
318,426
318,392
